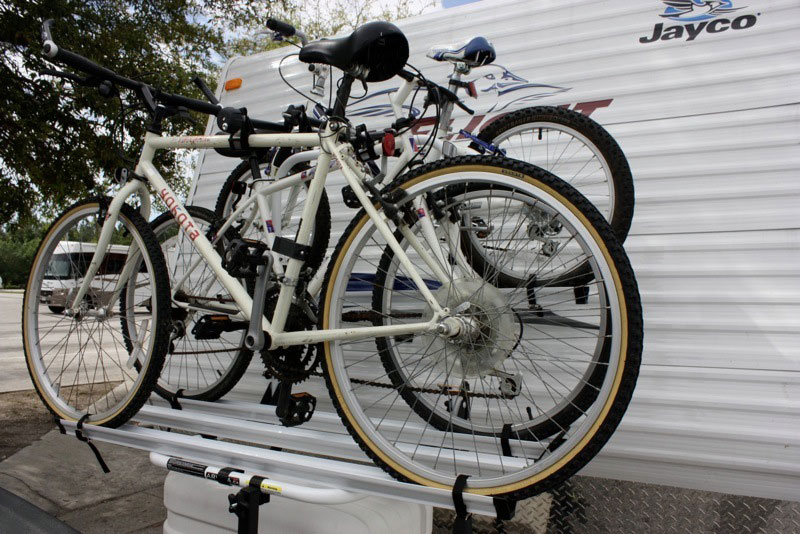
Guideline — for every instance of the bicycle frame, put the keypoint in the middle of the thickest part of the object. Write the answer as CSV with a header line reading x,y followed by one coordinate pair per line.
x,y
440,146
330,150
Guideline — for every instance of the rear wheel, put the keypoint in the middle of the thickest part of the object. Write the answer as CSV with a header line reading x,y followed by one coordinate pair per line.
x,y
531,385
206,356
78,361
576,149
237,188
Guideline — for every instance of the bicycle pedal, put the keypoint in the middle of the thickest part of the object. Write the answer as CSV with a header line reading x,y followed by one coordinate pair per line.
x,y
298,409
212,326
350,198
243,257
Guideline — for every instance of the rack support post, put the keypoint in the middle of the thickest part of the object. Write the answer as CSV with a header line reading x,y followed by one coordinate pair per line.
x,y
245,505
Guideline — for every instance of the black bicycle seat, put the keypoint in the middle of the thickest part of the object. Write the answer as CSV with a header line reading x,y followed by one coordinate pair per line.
x,y
475,52
374,52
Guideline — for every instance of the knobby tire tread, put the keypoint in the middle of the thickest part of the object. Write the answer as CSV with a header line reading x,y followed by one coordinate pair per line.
x,y
618,164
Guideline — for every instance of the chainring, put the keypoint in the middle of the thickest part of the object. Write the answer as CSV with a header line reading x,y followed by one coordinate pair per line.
x,y
290,364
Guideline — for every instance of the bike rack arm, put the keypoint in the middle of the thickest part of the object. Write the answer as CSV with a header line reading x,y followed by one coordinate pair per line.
x,y
270,486
295,469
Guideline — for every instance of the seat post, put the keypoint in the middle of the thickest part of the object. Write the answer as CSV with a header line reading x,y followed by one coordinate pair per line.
x,y
342,96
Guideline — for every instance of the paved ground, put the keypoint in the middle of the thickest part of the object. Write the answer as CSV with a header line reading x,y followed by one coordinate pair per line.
x,y
12,359
60,475
57,473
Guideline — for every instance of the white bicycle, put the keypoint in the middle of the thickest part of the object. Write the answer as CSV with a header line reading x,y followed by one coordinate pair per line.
x,y
564,142
437,328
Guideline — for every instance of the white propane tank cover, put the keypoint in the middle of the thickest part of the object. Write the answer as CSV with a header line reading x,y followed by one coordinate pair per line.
x,y
201,507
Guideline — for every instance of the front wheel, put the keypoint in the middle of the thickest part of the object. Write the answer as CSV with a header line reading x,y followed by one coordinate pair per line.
x,y
534,382
78,360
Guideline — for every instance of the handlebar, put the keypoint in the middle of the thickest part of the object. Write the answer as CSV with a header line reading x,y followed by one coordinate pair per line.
x,y
286,30
98,75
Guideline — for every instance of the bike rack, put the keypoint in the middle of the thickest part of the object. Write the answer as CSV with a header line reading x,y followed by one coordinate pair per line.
x,y
345,474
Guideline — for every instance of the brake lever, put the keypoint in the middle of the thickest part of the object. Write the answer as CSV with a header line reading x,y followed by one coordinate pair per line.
x,y
463,106
104,87
454,98
147,96
198,81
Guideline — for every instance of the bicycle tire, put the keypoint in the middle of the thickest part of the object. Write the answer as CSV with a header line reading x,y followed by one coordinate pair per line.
x,y
226,358
601,154
621,216
87,216
591,434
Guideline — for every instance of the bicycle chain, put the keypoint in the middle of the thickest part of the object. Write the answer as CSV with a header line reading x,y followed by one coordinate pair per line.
x,y
280,370
446,391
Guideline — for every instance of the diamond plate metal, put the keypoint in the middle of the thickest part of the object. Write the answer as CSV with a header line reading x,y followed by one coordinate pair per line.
x,y
595,505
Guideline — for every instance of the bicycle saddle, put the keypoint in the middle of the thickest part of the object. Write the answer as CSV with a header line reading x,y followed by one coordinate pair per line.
x,y
374,52
475,52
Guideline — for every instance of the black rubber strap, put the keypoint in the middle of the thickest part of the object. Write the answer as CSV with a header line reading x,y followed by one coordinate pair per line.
x,y
173,400
504,508
59,425
255,482
224,475
463,522
504,439
290,249
81,437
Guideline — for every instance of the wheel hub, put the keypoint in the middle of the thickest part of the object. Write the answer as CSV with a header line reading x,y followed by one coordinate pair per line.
x,y
480,336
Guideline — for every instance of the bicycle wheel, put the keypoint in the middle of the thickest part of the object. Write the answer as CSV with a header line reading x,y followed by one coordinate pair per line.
x,y
236,188
576,149
455,413
206,355
78,360
526,358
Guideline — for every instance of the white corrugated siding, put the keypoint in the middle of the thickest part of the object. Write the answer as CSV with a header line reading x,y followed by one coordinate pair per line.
x,y
711,130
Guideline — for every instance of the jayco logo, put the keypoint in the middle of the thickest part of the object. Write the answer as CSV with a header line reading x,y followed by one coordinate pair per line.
x,y
707,16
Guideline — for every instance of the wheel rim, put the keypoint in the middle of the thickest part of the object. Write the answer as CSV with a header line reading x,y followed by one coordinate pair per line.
x,y
537,420
195,366
536,239
400,458
89,361
568,154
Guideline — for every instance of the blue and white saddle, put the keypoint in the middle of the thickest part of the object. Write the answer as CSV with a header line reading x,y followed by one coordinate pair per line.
x,y
475,52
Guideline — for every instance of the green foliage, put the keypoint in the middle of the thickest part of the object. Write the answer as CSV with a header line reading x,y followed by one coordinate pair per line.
x,y
56,142
17,249
59,143
317,18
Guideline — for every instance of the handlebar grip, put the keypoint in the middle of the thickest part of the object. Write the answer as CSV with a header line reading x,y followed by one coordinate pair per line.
x,y
49,48
284,28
